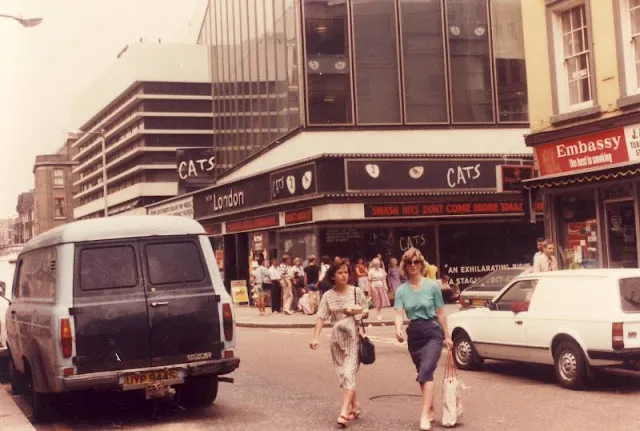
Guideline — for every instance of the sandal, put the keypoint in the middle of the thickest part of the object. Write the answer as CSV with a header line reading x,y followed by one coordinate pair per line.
x,y
354,414
343,421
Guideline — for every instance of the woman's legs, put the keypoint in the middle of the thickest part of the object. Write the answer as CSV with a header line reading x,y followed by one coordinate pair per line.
x,y
348,396
428,410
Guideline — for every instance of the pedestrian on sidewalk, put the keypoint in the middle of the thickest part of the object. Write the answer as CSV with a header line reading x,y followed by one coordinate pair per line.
x,y
258,285
546,261
344,335
267,285
287,283
363,275
324,285
297,280
421,299
276,289
378,286
311,280
394,278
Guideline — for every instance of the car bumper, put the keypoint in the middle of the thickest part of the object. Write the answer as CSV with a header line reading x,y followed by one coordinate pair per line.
x,y
111,379
615,355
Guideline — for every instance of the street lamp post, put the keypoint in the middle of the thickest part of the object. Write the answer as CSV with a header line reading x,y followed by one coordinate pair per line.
x,y
103,144
25,22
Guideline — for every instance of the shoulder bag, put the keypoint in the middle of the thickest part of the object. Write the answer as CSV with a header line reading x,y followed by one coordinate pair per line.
x,y
366,349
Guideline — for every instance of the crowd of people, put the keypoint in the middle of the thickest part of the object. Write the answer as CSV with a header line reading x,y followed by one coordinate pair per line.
x,y
293,287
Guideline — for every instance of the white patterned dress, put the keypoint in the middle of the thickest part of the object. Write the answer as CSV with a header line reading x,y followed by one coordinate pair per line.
x,y
344,339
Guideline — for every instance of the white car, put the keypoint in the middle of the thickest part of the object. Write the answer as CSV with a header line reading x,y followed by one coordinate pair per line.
x,y
575,320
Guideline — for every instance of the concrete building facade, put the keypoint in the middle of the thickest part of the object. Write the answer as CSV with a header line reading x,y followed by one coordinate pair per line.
x,y
24,223
155,99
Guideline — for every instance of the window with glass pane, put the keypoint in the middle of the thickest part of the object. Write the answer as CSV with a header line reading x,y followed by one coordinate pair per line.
x,y
508,52
576,54
58,208
376,62
634,15
327,62
58,178
470,61
425,84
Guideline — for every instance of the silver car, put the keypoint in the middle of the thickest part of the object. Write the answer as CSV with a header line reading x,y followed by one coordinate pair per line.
x,y
488,286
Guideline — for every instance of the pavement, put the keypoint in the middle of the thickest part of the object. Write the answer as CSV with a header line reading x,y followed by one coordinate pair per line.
x,y
11,417
248,317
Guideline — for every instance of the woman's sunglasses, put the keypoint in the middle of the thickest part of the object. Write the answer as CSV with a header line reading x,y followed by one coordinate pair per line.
x,y
410,262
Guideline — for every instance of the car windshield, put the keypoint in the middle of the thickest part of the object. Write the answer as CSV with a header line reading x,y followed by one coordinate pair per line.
x,y
630,295
496,280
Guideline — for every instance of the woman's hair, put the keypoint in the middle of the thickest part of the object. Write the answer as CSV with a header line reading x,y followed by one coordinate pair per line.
x,y
297,261
331,272
325,259
410,255
375,261
393,261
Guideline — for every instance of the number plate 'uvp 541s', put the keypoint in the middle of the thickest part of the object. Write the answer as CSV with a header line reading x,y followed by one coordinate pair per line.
x,y
137,380
199,356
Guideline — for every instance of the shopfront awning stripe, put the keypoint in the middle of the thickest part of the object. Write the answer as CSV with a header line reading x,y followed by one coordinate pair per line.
x,y
586,178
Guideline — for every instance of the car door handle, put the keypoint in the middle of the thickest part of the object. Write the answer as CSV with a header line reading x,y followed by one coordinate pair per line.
x,y
159,304
518,322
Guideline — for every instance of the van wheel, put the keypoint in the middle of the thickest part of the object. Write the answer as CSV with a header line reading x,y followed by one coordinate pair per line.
x,y
464,353
4,370
570,366
16,378
200,391
40,402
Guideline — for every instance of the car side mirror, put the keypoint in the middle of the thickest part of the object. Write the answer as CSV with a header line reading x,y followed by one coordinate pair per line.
x,y
519,307
491,305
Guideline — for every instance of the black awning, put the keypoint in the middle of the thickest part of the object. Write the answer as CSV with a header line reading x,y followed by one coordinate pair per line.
x,y
559,180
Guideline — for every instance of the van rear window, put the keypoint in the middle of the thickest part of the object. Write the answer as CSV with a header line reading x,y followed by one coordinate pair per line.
x,y
108,268
630,295
174,263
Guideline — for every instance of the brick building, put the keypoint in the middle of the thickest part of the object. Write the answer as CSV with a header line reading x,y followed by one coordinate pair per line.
x,y
23,225
53,190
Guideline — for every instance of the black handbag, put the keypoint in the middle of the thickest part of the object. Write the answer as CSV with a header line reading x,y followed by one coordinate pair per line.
x,y
366,349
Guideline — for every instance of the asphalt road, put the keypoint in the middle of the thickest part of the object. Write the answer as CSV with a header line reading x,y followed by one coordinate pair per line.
x,y
283,385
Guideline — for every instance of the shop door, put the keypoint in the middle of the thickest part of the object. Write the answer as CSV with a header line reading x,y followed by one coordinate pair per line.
x,y
621,234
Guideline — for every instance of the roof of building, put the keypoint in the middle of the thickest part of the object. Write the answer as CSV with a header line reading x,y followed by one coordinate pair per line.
x,y
115,228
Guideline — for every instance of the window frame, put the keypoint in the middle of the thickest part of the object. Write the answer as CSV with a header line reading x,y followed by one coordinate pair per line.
x,y
166,241
515,283
560,83
54,177
629,76
63,216
101,246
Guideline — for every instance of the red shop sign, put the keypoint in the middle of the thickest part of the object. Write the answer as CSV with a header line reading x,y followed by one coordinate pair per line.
x,y
271,220
593,151
300,216
213,229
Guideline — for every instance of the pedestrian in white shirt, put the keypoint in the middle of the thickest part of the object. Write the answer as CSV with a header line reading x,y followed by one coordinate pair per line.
x,y
546,261
287,285
540,246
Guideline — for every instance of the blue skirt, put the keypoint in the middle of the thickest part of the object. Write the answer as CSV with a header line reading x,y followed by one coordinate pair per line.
x,y
425,339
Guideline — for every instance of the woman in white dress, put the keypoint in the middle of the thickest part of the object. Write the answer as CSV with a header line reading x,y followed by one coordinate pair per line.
x,y
344,335
378,286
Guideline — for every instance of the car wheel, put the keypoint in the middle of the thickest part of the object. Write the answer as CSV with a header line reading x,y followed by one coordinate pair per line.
x,y
200,391
570,366
16,379
4,370
464,353
40,402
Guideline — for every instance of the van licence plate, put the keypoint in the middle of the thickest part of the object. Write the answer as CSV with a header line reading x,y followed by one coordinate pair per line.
x,y
151,377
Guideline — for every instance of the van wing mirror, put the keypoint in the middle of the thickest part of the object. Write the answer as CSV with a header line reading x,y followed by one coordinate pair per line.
x,y
519,307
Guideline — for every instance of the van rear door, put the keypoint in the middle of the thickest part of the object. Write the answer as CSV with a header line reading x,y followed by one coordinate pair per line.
x,y
109,308
183,305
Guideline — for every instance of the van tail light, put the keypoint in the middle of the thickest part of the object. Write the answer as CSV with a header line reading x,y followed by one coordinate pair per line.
x,y
66,338
227,322
617,336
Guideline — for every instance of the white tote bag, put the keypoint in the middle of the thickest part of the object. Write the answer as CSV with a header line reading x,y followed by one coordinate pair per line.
x,y
451,394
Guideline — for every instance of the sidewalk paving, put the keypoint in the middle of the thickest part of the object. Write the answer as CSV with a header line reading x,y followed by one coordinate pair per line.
x,y
248,317
11,417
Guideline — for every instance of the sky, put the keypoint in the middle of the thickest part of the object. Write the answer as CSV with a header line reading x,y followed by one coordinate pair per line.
x,y
45,68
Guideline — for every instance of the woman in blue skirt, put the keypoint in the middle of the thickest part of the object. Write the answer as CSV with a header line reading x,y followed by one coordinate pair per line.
x,y
421,299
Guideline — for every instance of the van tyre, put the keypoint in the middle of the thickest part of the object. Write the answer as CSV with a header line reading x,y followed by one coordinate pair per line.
x,y
41,408
16,379
199,391
465,355
570,365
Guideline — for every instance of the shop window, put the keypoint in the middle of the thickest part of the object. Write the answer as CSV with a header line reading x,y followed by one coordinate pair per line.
x,y
470,251
578,230
300,243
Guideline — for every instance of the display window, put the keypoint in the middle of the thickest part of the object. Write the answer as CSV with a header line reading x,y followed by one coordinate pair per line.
x,y
578,241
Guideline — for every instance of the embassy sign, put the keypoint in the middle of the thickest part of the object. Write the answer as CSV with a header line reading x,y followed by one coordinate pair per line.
x,y
593,151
